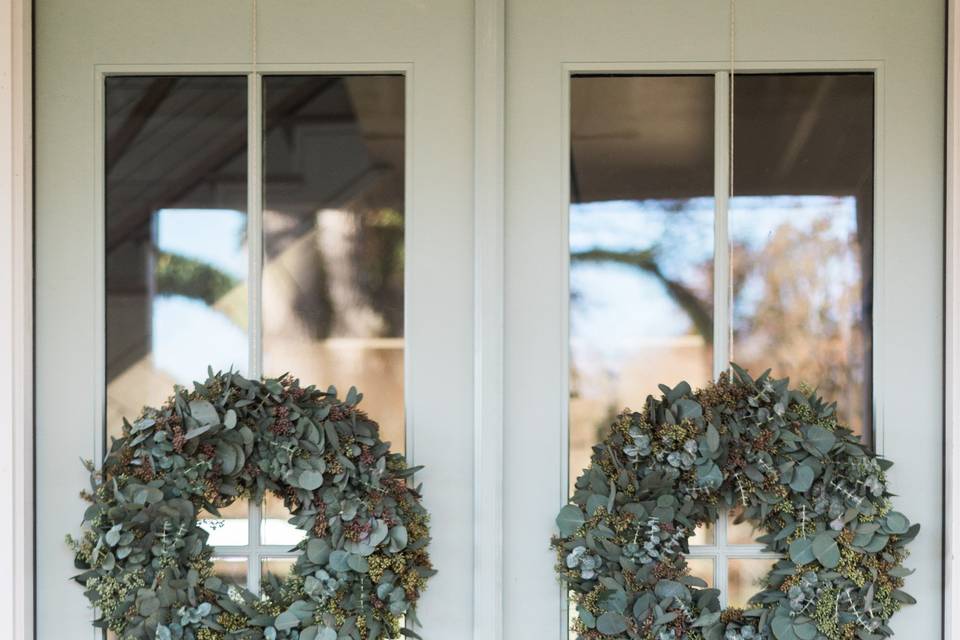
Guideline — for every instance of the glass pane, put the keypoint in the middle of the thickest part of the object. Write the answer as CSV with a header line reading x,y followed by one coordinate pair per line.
x,y
231,570
280,567
176,256
743,533
704,535
275,528
702,568
641,244
333,293
744,578
231,528
801,228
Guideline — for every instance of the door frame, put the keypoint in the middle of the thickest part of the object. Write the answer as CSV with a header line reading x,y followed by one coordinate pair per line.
x,y
16,325
16,319
951,467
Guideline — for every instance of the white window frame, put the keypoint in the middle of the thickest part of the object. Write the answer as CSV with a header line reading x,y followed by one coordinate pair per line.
x,y
16,322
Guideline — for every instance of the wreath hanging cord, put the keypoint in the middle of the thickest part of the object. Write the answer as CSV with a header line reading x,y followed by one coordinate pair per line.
x,y
807,482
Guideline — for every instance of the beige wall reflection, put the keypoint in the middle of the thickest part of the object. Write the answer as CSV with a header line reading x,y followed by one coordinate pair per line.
x,y
361,358
596,399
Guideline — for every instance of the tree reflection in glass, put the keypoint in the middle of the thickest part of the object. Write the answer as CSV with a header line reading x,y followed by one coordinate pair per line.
x,y
641,244
801,232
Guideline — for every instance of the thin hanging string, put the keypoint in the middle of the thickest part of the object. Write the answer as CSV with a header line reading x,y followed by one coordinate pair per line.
x,y
733,57
730,167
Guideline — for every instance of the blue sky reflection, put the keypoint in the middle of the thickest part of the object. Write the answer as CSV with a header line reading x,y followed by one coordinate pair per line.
x,y
188,334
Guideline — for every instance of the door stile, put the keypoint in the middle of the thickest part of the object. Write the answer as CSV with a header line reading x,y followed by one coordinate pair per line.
x,y
488,208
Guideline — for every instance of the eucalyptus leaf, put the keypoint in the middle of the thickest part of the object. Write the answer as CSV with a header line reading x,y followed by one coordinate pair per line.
x,y
713,439
611,623
826,551
819,439
204,412
569,520
310,480
802,479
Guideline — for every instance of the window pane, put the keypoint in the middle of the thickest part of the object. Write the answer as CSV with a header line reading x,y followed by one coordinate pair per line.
x,y
275,528
744,578
704,535
801,228
702,568
742,533
334,236
279,567
231,570
641,244
231,528
175,245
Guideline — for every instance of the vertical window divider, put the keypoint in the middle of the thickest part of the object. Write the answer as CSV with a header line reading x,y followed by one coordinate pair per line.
x,y
253,546
721,570
721,237
255,221
255,285
721,280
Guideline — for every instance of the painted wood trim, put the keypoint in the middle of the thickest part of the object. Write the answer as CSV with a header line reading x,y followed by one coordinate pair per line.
x,y
951,522
16,321
489,106
722,318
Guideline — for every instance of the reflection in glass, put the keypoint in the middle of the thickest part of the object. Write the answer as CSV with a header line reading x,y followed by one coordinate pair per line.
x,y
704,535
231,570
801,231
279,567
702,568
231,529
641,244
334,236
744,576
275,528
743,532
175,244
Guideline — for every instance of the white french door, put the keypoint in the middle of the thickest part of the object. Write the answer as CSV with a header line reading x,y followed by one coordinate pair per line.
x,y
270,199
300,196
630,262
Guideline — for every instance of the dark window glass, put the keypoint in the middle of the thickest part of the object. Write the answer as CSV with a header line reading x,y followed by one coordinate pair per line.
x,y
801,230
176,257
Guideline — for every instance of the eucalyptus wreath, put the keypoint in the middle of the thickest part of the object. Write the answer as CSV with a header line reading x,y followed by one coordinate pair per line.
x,y
807,482
146,563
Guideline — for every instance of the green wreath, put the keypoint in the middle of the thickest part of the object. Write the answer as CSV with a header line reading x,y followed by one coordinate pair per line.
x,y
807,482
146,563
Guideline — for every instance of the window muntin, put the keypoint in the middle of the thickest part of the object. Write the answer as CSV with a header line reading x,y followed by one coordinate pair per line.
x,y
184,288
